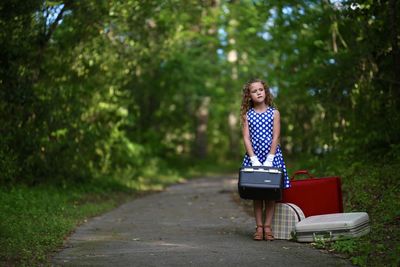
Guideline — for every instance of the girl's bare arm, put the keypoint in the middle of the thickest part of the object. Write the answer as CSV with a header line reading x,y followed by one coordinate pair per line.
x,y
246,138
276,132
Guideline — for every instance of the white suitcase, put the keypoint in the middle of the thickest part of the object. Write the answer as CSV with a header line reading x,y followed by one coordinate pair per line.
x,y
330,227
284,221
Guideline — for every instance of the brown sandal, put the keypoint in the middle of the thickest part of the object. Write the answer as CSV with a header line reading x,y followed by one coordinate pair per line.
x,y
268,234
258,235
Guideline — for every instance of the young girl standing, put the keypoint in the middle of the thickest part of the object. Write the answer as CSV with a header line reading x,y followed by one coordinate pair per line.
x,y
261,130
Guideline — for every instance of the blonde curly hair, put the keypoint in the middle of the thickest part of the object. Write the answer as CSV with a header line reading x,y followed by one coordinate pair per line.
x,y
247,103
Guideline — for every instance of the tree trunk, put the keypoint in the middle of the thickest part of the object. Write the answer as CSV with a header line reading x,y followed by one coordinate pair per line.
x,y
201,131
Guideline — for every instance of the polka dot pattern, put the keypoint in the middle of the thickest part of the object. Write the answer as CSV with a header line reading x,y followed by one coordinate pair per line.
x,y
261,130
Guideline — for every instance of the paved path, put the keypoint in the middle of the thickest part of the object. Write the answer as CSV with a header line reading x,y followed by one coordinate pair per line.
x,y
190,224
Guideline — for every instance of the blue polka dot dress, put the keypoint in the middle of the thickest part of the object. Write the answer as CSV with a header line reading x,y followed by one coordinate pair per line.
x,y
261,130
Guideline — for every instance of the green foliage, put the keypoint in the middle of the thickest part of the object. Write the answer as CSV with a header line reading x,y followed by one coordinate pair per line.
x,y
107,92
331,67
89,88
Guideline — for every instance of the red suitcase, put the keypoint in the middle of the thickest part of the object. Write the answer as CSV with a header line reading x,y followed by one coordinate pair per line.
x,y
315,196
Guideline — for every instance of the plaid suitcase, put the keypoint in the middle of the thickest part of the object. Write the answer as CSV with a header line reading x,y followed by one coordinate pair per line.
x,y
330,227
315,196
285,218
260,182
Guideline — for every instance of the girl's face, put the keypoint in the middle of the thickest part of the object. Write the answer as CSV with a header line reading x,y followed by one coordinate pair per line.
x,y
257,92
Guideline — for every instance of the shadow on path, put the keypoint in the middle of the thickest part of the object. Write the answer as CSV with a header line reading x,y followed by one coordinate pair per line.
x,y
190,224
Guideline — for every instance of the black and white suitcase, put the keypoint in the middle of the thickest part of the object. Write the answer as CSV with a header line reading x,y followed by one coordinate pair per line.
x,y
330,227
260,182
286,216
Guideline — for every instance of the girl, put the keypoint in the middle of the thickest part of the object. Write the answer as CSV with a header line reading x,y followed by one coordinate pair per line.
x,y
261,130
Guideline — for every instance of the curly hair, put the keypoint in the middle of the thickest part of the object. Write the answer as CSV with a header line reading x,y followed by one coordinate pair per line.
x,y
247,103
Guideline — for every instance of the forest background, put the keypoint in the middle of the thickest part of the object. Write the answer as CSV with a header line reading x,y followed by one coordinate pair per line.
x,y
130,95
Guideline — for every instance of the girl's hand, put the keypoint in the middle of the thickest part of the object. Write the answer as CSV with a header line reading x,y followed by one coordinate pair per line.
x,y
270,159
254,161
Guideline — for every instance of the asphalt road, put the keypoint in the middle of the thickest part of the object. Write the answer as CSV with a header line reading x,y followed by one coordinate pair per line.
x,y
191,224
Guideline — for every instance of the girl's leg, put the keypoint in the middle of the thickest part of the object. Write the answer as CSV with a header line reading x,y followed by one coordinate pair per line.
x,y
269,213
258,212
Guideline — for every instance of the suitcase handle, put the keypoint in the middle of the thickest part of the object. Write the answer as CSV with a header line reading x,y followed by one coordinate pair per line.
x,y
301,172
